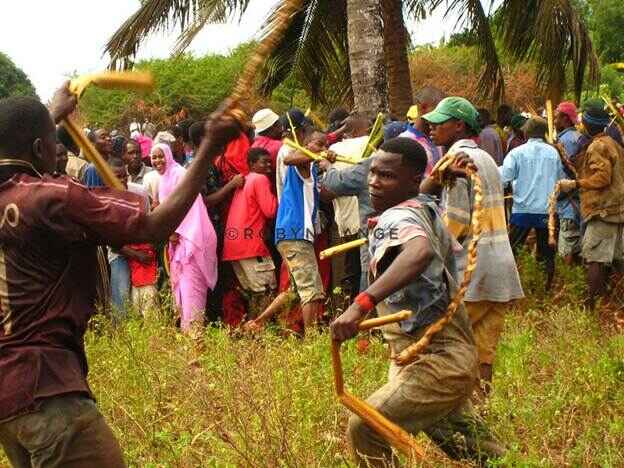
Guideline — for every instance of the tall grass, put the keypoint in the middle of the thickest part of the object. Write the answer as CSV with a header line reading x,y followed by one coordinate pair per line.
x,y
558,396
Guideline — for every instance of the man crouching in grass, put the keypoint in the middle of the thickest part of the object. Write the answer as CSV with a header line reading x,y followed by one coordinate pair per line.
x,y
51,228
412,268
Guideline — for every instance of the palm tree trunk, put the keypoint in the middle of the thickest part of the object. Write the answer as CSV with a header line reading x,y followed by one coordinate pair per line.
x,y
397,62
366,56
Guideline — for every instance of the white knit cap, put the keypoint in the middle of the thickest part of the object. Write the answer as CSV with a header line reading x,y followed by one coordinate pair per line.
x,y
264,119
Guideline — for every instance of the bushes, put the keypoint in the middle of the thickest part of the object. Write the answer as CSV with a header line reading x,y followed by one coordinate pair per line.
x,y
184,85
456,71
13,81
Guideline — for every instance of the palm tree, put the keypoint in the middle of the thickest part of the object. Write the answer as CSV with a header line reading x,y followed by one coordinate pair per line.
x,y
366,56
324,36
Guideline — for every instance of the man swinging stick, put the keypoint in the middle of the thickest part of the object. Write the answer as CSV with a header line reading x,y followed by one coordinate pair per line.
x,y
413,268
49,233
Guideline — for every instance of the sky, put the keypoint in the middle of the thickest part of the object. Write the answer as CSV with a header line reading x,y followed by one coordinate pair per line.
x,y
51,40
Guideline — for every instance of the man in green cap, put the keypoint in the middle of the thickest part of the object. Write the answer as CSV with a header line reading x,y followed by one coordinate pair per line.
x,y
495,282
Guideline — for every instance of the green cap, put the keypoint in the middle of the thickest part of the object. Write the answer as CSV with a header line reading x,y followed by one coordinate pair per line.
x,y
454,108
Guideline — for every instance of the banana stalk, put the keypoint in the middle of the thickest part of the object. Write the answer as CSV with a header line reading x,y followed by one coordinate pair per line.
x,y
375,138
551,122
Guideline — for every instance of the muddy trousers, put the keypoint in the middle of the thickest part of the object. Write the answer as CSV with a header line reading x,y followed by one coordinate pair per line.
x,y
430,395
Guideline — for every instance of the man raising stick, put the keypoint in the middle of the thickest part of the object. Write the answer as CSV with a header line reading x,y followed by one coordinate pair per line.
x,y
49,232
412,268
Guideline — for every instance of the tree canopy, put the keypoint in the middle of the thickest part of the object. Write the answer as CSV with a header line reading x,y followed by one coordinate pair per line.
x,y
607,24
13,81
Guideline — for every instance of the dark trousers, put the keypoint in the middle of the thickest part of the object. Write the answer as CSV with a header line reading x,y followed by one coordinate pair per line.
x,y
545,253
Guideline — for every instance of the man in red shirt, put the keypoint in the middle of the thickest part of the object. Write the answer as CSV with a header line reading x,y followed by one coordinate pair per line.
x,y
50,228
252,207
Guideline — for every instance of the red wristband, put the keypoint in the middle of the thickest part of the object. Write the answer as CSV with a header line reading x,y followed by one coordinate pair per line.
x,y
365,301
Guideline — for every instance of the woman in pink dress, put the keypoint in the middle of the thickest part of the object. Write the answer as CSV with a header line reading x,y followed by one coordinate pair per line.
x,y
192,248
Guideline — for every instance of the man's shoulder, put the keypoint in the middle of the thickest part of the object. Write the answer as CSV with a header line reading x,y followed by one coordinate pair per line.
x,y
604,143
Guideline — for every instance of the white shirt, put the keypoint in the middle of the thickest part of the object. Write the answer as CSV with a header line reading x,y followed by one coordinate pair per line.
x,y
281,169
150,183
346,209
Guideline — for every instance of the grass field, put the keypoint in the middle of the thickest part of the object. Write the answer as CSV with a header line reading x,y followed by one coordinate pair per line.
x,y
558,397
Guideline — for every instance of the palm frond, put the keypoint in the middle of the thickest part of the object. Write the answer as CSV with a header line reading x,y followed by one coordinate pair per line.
x,y
473,15
314,49
551,34
162,15
417,9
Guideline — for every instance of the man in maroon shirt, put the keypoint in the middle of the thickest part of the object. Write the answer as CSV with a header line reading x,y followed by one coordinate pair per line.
x,y
49,230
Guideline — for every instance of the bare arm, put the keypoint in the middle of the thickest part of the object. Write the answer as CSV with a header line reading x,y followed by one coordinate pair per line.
x,y
220,195
295,158
161,222
415,257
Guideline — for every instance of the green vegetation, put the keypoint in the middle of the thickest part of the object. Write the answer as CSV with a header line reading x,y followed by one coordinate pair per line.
x,y
557,400
196,85
13,81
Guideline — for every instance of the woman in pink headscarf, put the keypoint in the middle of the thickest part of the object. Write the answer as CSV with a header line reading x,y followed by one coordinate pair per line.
x,y
192,248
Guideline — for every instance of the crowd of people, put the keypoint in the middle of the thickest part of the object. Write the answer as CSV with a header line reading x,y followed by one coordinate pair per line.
x,y
231,219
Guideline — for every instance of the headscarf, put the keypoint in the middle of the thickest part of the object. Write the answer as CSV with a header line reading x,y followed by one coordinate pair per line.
x,y
198,241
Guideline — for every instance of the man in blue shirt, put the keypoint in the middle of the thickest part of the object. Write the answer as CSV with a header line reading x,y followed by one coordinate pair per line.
x,y
534,168
568,208
102,141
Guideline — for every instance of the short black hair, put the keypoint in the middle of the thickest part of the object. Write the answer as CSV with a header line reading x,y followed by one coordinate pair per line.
x,y
119,145
22,121
256,153
62,136
336,117
412,153
196,133
182,130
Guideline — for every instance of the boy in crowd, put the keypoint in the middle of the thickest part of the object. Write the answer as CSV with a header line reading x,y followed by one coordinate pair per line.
x,y
293,121
119,259
253,206
413,268
296,226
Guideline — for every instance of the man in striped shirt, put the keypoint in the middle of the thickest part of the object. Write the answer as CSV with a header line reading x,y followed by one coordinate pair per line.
x,y
495,282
